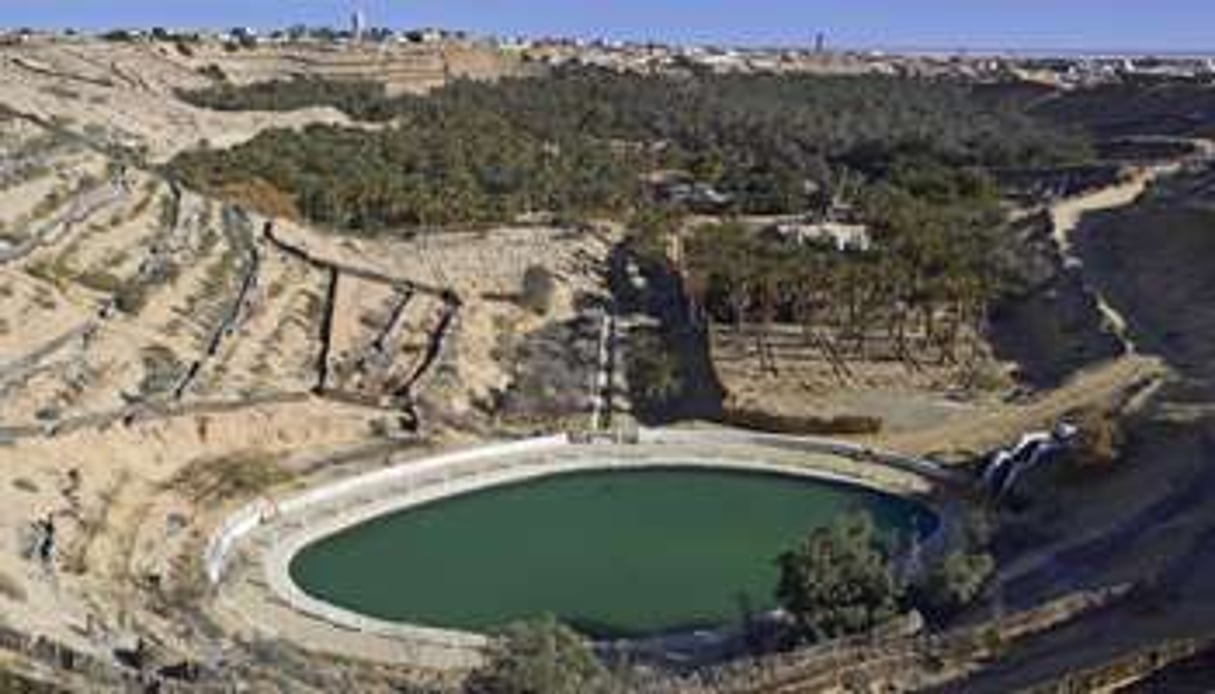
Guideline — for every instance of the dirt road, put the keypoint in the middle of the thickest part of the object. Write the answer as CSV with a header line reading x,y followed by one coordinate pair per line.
x,y
1067,213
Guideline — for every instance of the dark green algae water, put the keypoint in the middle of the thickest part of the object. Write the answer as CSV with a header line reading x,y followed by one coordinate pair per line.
x,y
615,553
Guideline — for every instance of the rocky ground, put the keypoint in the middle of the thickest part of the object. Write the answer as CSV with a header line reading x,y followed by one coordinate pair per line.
x,y
165,357
1114,314
1149,522
121,93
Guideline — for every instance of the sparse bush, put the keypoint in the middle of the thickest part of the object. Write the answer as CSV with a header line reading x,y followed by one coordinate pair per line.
x,y
1098,440
651,227
992,640
540,656
100,280
655,369
213,72
162,369
952,583
118,36
131,297
538,289
234,476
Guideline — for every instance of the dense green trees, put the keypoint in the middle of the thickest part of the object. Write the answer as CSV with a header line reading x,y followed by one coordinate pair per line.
x,y
930,272
364,99
471,170
1155,107
578,141
841,580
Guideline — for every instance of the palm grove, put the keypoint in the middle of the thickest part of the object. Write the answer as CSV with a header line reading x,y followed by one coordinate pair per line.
x,y
577,141
910,157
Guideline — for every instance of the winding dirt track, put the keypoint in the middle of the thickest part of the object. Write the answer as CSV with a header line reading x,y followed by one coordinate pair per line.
x,y
1066,216
1119,380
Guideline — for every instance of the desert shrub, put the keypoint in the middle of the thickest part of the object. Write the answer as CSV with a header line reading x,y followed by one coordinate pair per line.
x,y
538,289
1099,439
131,297
20,683
233,476
655,369
540,656
213,72
100,280
952,583
161,370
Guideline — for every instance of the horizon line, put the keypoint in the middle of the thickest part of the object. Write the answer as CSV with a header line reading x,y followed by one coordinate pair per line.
x,y
910,48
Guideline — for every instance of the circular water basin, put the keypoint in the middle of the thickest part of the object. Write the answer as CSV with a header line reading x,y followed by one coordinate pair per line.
x,y
617,554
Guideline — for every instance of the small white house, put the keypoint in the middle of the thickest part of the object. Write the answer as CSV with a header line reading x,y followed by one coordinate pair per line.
x,y
845,237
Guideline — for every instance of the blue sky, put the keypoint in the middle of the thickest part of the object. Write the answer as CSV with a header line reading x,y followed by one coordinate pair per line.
x,y
1182,25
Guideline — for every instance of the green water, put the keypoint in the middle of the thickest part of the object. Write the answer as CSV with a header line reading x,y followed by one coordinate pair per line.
x,y
615,553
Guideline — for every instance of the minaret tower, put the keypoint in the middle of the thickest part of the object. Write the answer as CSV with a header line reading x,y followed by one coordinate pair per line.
x,y
358,22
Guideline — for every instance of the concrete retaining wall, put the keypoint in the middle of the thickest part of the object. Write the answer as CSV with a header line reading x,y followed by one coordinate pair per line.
x,y
285,527
251,516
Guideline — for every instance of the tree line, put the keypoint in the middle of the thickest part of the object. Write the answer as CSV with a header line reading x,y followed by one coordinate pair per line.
x,y
923,285
577,142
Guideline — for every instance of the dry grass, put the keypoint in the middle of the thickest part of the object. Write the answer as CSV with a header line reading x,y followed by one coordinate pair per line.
x,y
230,477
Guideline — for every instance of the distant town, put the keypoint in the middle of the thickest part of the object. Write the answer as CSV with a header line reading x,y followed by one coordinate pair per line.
x,y
1065,69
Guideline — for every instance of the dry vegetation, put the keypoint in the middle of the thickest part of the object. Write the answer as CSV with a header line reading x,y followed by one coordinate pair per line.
x,y
166,356
160,356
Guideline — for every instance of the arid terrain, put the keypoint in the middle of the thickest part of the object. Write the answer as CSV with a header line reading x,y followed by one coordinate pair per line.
x,y
167,356
164,355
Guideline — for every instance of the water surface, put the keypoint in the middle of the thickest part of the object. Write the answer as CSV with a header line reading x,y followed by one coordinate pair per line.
x,y
616,553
